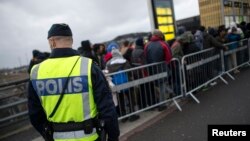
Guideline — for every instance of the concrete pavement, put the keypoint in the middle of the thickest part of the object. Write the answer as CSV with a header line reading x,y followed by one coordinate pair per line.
x,y
222,104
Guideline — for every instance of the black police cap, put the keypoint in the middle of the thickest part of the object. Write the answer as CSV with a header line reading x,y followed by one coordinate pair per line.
x,y
59,30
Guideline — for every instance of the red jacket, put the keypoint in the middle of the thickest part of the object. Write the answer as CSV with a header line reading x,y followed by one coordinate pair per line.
x,y
157,50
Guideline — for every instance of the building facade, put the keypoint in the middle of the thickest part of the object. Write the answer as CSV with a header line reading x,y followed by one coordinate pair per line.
x,y
191,23
222,12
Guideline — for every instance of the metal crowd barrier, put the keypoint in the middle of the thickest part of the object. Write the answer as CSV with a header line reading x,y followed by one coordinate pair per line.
x,y
14,83
236,58
13,102
146,87
201,68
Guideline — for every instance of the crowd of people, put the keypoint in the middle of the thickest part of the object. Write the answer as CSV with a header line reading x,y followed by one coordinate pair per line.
x,y
219,38
115,57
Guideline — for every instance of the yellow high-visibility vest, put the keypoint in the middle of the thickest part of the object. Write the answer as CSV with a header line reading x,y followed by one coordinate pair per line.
x,y
48,79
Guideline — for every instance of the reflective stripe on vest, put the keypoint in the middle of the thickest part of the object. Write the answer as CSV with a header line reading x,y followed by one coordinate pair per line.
x,y
72,134
48,79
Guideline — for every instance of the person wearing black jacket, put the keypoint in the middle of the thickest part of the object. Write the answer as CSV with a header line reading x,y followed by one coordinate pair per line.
x,y
62,48
38,57
86,51
99,52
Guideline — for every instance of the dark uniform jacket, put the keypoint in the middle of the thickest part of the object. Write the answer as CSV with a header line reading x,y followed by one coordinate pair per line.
x,y
102,97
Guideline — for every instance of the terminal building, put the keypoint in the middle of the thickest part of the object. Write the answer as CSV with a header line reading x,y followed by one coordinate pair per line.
x,y
191,23
222,12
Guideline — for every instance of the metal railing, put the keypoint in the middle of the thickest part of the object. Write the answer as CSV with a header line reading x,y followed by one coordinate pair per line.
x,y
14,83
201,68
237,57
141,88
148,86
13,102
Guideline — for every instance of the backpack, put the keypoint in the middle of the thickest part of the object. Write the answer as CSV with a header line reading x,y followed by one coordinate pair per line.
x,y
120,78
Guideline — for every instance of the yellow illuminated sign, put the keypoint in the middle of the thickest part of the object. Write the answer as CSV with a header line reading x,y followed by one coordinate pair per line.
x,y
166,28
162,20
165,20
170,19
164,17
169,36
163,11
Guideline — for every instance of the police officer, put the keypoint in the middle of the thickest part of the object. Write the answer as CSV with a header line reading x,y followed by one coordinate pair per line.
x,y
69,95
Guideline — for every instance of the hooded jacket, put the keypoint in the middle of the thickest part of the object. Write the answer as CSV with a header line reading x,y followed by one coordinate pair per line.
x,y
239,31
117,62
233,37
157,51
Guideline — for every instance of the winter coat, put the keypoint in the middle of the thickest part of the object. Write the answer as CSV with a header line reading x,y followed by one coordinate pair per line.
x,y
117,62
128,54
157,51
190,48
222,40
233,37
209,42
118,65
138,57
177,50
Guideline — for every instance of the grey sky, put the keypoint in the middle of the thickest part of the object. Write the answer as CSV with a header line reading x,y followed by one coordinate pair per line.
x,y
24,24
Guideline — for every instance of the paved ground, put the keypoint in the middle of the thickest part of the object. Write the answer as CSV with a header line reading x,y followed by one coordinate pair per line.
x,y
222,104
23,131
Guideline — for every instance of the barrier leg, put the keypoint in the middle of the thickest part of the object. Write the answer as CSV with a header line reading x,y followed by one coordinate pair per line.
x,y
191,94
248,64
177,105
230,75
223,80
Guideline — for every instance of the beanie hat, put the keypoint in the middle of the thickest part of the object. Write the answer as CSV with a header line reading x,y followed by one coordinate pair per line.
x,y
111,46
35,53
85,43
59,30
181,30
139,42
